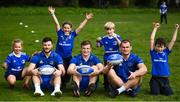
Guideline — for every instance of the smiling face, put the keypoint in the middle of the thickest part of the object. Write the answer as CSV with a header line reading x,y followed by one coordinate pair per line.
x,y
17,47
159,48
110,31
67,28
125,48
47,46
86,50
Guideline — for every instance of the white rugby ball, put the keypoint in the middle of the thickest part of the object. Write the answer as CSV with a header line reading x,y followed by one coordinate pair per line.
x,y
115,59
47,69
84,70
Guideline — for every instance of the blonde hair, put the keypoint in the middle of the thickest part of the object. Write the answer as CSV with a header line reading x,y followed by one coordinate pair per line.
x,y
16,41
109,25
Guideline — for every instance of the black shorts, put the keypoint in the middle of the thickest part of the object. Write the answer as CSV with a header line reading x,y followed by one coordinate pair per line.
x,y
18,75
160,85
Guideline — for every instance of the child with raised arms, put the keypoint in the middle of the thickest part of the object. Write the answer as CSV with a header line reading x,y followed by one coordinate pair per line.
x,y
159,83
65,41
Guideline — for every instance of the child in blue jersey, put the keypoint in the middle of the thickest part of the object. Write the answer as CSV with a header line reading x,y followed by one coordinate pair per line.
x,y
65,41
111,42
15,65
46,57
126,76
163,11
159,83
87,83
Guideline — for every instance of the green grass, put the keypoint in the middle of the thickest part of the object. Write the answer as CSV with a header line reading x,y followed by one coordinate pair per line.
x,y
133,24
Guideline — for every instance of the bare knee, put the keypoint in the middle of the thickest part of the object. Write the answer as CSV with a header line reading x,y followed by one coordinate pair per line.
x,y
11,79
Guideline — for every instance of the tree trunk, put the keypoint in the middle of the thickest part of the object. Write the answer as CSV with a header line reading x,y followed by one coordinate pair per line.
x,y
124,3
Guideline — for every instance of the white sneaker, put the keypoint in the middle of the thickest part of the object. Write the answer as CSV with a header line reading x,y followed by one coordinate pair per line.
x,y
57,93
38,93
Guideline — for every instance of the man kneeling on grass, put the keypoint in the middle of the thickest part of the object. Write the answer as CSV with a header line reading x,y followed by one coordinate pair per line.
x,y
87,83
125,77
45,78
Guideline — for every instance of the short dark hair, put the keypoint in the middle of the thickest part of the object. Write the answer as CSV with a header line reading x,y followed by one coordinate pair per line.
x,y
86,42
160,41
46,39
125,41
67,22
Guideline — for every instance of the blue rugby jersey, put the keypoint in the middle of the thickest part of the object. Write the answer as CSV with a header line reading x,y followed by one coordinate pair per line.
x,y
110,45
160,63
16,63
65,43
78,60
163,8
40,59
128,65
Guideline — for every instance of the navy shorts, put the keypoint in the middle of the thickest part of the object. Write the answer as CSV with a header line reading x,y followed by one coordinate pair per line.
x,y
16,74
84,83
160,85
46,82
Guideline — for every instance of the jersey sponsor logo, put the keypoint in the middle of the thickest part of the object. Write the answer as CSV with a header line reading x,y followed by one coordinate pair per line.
x,y
159,60
111,51
64,44
16,69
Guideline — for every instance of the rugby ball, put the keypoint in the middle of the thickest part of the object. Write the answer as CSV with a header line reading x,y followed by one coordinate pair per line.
x,y
115,59
84,70
47,69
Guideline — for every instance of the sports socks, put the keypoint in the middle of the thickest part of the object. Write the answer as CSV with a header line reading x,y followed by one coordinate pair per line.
x,y
121,89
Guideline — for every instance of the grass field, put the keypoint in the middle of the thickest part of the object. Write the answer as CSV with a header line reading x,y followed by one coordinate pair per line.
x,y
133,24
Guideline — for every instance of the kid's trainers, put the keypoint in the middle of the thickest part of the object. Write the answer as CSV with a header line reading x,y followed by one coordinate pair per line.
x,y
38,93
57,93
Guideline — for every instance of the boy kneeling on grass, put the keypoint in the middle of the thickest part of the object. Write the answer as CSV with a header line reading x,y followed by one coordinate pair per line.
x,y
159,83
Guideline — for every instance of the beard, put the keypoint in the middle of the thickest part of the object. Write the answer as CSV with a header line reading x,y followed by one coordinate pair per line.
x,y
46,51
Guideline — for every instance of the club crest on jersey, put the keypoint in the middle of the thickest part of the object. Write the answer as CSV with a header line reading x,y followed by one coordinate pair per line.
x,y
23,61
114,43
130,64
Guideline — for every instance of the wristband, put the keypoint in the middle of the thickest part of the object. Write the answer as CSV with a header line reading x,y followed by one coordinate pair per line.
x,y
52,14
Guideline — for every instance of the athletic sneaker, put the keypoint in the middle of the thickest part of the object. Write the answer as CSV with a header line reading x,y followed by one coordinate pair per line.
x,y
38,93
90,90
131,93
57,93
113,93
75,89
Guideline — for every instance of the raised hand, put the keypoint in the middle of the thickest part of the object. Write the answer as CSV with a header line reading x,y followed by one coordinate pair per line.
x,y
51,9
176,26
89,16
156,25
